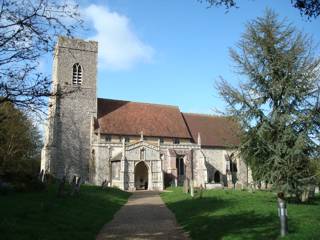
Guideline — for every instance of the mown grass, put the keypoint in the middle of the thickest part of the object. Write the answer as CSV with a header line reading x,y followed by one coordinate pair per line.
x,y
234,214
42,215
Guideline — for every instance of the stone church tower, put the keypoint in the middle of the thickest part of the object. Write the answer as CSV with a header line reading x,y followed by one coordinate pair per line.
x,y
69,129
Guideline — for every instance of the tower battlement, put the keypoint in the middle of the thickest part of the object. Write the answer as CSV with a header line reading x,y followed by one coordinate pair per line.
x,y
77,44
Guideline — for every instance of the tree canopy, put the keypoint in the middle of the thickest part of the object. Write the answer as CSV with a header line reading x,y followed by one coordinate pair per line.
x,y
20,144
309,8
277,102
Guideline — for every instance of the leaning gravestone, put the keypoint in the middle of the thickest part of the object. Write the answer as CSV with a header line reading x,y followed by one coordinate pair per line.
x,y
104,184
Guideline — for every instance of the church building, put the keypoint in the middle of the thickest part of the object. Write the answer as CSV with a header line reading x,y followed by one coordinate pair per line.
x,y
131,145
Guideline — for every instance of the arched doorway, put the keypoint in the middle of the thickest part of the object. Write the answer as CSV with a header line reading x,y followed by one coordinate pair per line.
x,y
141,176
217,177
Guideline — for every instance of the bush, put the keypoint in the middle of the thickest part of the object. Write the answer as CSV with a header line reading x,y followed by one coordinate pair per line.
x,y
5,188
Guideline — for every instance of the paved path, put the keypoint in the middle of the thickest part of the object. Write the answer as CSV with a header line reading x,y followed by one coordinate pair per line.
x,y
145,216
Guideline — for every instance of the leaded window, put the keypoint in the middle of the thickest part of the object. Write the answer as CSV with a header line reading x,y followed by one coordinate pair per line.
x,y
77,74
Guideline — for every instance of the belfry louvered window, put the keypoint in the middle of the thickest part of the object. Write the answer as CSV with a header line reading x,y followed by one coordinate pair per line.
x,y
77,74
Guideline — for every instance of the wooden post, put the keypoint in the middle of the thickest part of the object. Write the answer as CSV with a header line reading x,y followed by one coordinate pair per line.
x,y
282,212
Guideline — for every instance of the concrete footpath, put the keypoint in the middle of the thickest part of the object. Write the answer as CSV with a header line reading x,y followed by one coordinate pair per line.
x,y
145,216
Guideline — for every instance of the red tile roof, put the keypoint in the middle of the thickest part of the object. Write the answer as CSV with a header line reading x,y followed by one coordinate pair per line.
x,y
130,118
215,131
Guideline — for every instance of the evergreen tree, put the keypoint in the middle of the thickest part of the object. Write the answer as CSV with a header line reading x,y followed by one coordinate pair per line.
x,y
276,104
309,8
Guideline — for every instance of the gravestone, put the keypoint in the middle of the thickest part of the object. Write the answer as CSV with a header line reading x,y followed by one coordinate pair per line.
x,y
186,185
201,191
78,184
40,176
61,187
104,184
73,185
191,188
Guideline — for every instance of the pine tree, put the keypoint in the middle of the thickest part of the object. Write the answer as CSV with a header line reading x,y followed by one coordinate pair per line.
x,y
276,104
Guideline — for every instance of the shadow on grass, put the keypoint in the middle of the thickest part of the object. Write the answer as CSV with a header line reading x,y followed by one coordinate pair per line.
x,y
42,215
215,218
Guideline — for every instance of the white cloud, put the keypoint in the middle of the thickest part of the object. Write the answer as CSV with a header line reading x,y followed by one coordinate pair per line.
x,y
119,46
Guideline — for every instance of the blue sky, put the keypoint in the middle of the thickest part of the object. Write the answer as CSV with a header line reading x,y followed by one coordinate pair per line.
x,y
172,51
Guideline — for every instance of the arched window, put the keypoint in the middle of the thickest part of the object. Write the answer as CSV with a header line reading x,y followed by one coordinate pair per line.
x,y
77,74
180,165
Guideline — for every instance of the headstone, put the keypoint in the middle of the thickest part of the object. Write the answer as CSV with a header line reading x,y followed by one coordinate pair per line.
x,y
185,186
316,190
61,187
104,184
40,177
311,191
47,177
73,185
78,186
191,188
251,188
201,191
307,193
214,186
259,185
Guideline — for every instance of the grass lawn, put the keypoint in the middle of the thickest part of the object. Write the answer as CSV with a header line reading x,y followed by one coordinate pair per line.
x,y
42,215
230,214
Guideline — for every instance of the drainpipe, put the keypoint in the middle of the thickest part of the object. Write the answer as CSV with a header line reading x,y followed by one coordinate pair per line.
x,y
123,165
191,165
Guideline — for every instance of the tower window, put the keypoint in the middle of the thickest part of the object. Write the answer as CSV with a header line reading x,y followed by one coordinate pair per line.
x,y
77,74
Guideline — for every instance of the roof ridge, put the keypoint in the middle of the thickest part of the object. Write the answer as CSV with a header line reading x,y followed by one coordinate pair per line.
x,y
205,114
158,104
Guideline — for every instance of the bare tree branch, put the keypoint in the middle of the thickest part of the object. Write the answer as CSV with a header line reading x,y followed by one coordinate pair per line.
x,y
28,30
